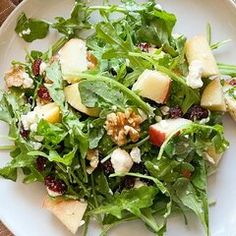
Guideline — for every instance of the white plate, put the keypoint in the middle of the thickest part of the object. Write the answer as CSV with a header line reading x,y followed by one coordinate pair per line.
x,y
20,205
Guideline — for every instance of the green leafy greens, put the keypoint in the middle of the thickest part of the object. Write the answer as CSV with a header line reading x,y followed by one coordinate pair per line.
x,y
78,147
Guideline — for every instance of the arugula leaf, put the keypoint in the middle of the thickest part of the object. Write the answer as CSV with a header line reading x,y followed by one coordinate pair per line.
x,y
100,94
53,134
65,159
5,114
193,200
31,29
8,173
53,73
76,135
53,155
134,98
226,69
96,132
20,155
78,21
132,200
156,28
33,176
12,105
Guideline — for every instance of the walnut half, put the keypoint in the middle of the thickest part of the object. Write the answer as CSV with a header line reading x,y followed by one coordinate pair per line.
x,y
122,125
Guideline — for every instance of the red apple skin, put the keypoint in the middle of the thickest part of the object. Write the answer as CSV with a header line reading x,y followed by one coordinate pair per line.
x,y
156,137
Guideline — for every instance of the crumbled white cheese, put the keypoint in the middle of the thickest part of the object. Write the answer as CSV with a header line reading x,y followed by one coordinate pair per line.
x,y
194,78
82,222
26,32
158,118
138,183
36,145
114,108
42,67
27,82
38,138
121,161
135,155
165,110
29,120
52,193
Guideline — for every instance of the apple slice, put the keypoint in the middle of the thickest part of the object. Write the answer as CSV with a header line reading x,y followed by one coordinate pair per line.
x,y
72,95
73,59
213,96
153,85
198,49
69,212
49,112
160,131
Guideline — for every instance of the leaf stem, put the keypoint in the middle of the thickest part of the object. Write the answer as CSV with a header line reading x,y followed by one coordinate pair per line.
x,y
141,142
107,8
7,147
226,69
158,183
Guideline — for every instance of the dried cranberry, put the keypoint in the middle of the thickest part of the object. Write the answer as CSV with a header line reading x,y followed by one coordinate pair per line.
x,y
41,163
186,173
139,168
128,182
232,82
107,167
196,112
175,112
144,47
24,133
55,185
43,94
36,67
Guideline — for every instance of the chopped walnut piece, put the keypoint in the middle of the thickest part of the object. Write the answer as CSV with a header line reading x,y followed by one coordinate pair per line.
x,y
92,61
121,125
93,157
14,77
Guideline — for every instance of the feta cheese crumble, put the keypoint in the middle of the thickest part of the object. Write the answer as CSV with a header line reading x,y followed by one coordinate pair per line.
x,y
135,155
138,183
42,67
27,82
52,193
194,78
30,120
121,161
26,32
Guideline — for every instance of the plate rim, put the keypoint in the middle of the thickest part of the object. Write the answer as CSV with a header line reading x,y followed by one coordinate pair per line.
x,y
12,17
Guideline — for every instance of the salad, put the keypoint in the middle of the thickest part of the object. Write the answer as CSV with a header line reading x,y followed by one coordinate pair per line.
x,y
121,119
